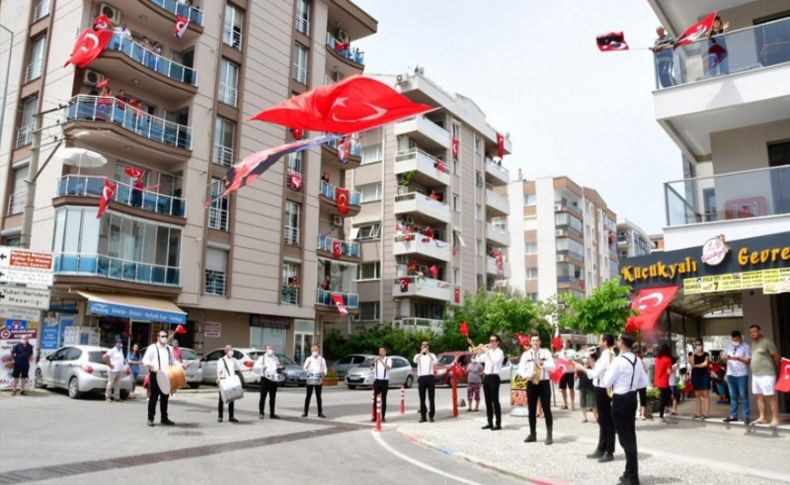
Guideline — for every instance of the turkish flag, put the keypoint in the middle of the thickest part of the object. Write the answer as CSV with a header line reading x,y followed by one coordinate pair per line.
x,y
440,166
464,328
696,32
457,296
135,173
354,104
295,181
412,267
343,149
500,142
107,193
613,41
297,133
454,148
649,302
105,81
341,197
404,284
180,330
336,249
101,23
434,270
398,229
523,340
783,382
337,298
428,234
88,46
562,366
500,263
181,26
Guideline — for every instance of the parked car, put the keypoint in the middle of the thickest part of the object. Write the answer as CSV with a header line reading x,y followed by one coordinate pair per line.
x,y
443,363
193,370
363,376
294,373
243,355
78,369
348,362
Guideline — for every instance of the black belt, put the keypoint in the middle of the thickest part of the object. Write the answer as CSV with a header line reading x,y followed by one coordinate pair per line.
x,y
627,394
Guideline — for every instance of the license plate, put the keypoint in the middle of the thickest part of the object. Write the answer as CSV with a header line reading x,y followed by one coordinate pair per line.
x,y
102,373
354,379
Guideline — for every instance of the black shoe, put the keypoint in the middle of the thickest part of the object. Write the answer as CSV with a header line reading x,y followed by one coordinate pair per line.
x,y
430,420
260,416
233,420
304,415
274,416
730,419
219,420
530,439
488,426
596,454
607,457
497,428
373,420
150,423
322,415
383,420
167,422
549,439
423,420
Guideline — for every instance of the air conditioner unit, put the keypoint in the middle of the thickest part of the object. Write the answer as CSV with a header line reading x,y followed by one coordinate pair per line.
x,y
557,207
111,12
91,78
336,221
558,232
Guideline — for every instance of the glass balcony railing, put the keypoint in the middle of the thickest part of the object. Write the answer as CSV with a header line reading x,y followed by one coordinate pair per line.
x,y
747,49
344,50
347,248
113,110
118,269
195,15
324,297
329,191
85,186
152,60
497,168
736,195
354,151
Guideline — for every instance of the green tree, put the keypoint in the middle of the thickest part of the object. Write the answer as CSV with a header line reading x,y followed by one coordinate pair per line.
x,y
604,311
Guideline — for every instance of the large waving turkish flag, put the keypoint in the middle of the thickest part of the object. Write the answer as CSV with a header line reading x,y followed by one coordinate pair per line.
x,y
649,302
696,32
561,367
107,193
783,382
88,46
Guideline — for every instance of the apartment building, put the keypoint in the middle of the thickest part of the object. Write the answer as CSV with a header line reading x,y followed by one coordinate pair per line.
x,y
563,238
246,269
631,239
432,223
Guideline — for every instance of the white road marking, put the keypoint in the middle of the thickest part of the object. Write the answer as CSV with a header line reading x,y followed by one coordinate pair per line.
x,y
380,441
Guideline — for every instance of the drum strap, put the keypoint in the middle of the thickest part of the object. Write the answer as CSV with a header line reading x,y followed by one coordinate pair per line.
x,y
226,365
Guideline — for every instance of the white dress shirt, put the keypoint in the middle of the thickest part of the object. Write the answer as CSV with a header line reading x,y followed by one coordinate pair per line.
x,y
382,369
425,363
626,374
601,366
159,356
223,372
116,358
526,366
491,360
266,365
315,365
736,368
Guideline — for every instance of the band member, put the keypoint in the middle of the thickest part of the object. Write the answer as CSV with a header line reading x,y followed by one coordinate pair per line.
x,y
158,356
492,363
315,364
381,371
267,366
425,361
535,366
226,367
626,376
603,402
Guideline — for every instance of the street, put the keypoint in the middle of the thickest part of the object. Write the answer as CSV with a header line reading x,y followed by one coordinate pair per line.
x,y
50,438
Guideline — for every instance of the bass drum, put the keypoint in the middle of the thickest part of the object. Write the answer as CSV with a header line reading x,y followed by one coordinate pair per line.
x,y
230,389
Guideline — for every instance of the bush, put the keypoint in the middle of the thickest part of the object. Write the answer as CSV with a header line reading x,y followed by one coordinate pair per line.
x,y
369,339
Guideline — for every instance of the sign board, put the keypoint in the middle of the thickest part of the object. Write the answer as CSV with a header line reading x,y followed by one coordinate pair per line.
x,y
24,297
19,258
81,336
11,334
26,277
12,313
212,329
103,309
771,281
49,335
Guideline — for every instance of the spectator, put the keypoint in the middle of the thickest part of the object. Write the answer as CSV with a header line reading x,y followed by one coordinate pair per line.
x,y
673,386
115,360
121,97
587,390
764,360
326,285
717,377
138,186
737,354
642,392
22,353
474,372
661,378
717,48
662,48
700,379
120,35
133,359
325,177
566,381
177,351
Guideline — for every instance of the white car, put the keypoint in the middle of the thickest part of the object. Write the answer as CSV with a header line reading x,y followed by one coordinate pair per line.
x,y
209,365
80,370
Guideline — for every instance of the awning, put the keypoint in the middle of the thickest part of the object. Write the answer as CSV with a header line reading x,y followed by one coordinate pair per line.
x,y
133,307
649,302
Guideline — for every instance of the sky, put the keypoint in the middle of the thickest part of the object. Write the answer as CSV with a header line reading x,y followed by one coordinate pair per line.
x,y
533,67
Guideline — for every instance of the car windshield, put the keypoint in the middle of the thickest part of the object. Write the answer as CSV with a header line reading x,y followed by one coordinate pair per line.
x,y
187,354
95,356
284,360
367,362
445,360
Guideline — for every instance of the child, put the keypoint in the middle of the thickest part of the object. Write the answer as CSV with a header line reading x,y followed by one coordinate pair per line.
x,y
586,389
473,372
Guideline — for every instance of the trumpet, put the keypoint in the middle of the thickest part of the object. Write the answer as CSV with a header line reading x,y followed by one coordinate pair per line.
x,y
585,353
478,349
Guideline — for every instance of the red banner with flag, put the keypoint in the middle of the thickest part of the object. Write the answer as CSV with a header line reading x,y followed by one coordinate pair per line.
x,y
454,148
337,299
336,249
561,367
429,234
457,296
107,193
523,340
783,382
500,142
295,181
434,271
180,330
404,284
297,133
343,149
133,172
649,302
181,26
341,197
88,46
101,23
440,166
696,32
613,41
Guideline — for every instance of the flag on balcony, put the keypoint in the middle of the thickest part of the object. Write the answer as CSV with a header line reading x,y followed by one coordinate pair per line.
x,y
135,173
295,181
341,197
613,41
783,382
440,166
297,133
89,44
337,298
695,32
180,330
343,149
463,328
556,342
500,143
561,367
434,270
107,193
454,148
500,263
404,284
103,83
336,249
650,303
354,104
429,234
181,26
101,23
412,267
457,295
398,229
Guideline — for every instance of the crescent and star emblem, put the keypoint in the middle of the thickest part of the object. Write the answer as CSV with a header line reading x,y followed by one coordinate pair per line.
x,y
658,297
341,101
89,37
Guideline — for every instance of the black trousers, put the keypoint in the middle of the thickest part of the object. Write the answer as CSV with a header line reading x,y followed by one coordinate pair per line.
x,y
624,416
491,394
221,406
267,388
381,386
666,400
156,394
541,391
603,403
426,383
309,396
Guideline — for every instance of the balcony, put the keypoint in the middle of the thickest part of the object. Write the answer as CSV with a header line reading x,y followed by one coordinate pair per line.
x,y
218,218
292,236
343,58
349,250
421,287
570,282
740,80
323,301
289,295
419,324
417,244
417,203
160,16
215,282
496,174
567,230
493,269
497,236
113,125
80,264
497,205
568,256
353,160
148,71
427,133
564,206
145,200
424,166
328,197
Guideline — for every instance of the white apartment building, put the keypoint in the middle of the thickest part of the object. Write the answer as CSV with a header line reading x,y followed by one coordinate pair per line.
x,y
631,239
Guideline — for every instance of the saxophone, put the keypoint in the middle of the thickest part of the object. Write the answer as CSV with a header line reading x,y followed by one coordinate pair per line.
x,y
610,390
538,370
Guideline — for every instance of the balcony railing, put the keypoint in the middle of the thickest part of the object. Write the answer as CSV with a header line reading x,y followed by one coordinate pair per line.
x,y
223,155
218,218
563,255
215,282
416,323
25,135
570,229
195,15
746,49
354,151
85,186
33,70
109,109
736,195
231,36
347,248
329,191
42,9
290,295
291,236
150,59
116,268
346,52
16,203
498,169
303,25
416,159
227,94
324,297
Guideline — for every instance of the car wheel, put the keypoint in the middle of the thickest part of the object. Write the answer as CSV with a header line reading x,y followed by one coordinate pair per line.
x,y
124,395
409,381
74,388
40,380
194,385
352,386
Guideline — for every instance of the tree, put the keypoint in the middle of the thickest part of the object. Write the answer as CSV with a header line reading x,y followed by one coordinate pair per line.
x,y
604,311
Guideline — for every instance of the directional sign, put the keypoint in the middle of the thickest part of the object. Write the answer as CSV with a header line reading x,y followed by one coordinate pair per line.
x,y
26,277
27,314
18,258
24,297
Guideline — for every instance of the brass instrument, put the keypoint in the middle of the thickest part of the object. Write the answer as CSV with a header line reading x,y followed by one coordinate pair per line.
x,y
478,349
538,372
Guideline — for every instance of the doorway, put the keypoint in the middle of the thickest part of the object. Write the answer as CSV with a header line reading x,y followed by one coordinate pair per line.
x,y
304,338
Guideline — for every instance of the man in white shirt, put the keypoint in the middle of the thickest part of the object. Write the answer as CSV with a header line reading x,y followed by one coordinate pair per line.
x,y
315,364
115,361
566,382
425,361
535,366
738,357
492,364
626,376
381,383
267,366
603,401
158,356
226,367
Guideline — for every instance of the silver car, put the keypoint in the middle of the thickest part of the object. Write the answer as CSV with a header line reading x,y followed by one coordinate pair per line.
x,y
348,362
294,373
209,365
80,370
193,370
363,376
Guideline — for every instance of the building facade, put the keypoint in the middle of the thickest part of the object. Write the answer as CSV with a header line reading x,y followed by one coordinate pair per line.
x,y
242,269
631,239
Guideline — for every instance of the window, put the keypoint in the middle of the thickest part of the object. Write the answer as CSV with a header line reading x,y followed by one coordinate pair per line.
x,y
456,276
566,244
290,288
303,16
478,146
12,241
42,9
372,153
530,199
26,121
218,210
228,82
216,261
33,70
532,273
300,64
456,204
224,135
568,221
231,32
16,201
368,311
368,231
369,192
531,248
292,217
369,271
294,161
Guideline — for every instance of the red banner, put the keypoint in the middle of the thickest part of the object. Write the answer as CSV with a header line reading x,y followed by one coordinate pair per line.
x,y
434,271
297,133
336,249
341,197
649,302
696,32
783,382
181,26
343,149
463,328
454,148
107,193
102,23
88,46
135,173
404,284
500,142
457,296
562,366
337,298
295,181
613,41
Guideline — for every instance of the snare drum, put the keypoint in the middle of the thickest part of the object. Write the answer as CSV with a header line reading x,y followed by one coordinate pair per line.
x,y
171,379
314,379
230,389
275,376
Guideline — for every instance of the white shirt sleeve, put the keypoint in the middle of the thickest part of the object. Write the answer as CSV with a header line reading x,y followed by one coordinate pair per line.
x,y
307,361
257,368
614,370
548,364
149,358
522,366
323,366
600,367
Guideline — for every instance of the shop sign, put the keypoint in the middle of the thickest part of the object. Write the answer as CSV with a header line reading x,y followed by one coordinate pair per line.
x,y
103,309
24,297
11,334
212,329
714,250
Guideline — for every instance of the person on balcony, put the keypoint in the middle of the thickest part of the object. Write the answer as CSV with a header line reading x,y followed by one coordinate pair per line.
x,y
138,186
325,177
326,284
120,34
662,48
717,48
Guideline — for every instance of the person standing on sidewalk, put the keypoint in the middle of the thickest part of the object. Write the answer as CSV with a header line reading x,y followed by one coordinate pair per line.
x,y
738,356
133,359
158,356
314,365
492,364
226,368
765,358
474,371
381,383
425,361
115,360
661,378
535,366
603,400
700,379
22,353
267,365
566,381
626,376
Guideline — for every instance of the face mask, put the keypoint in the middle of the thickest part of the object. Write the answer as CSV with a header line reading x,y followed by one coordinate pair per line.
x,y
269,352
229,353
698,347
163,340
315,354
